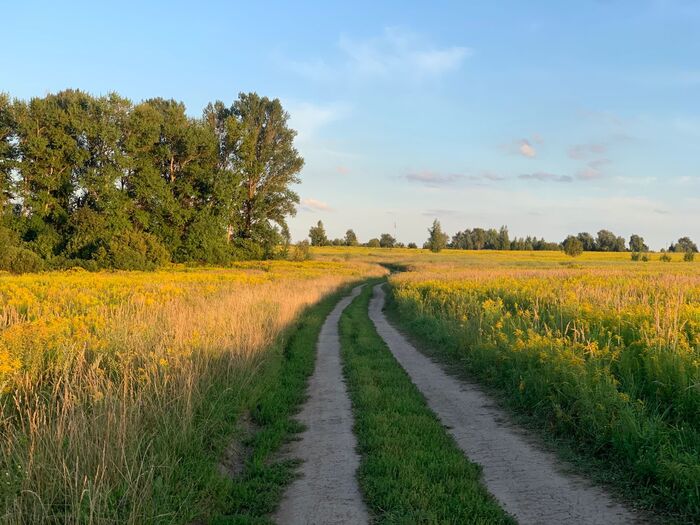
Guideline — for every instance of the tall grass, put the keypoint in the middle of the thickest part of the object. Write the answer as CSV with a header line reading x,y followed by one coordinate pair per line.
x,y
108,382
608,356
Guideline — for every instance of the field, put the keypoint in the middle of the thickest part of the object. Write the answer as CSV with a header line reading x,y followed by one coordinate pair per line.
x,y
109,380
122,391
603,352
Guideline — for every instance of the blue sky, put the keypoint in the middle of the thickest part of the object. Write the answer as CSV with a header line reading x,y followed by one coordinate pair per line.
x,y
549,117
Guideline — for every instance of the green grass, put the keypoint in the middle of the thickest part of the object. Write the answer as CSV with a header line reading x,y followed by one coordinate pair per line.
x,y
272,396
411,470
439,341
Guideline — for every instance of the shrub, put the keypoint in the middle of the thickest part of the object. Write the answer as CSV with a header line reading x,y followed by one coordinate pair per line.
x,y
373,243
665,257
688,256
636,256
132,250
573,247
301,251
20,260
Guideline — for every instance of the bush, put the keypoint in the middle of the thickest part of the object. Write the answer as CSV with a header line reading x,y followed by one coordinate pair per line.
x,y
665,257
636,256
373,243
573,247
301,251
20,260
645,257
412,245
133,250
688,256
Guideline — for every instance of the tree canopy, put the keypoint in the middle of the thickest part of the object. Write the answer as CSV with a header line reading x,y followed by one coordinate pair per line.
x,y
101,181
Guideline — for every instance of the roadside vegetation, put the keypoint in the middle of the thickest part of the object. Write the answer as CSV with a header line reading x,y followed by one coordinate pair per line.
x,y
121,393
411,470
604,354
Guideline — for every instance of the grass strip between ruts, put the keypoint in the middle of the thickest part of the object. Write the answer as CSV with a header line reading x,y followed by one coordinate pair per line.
x,y
411,469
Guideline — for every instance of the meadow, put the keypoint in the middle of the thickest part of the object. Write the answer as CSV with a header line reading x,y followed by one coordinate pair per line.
x,y
120,391
599,350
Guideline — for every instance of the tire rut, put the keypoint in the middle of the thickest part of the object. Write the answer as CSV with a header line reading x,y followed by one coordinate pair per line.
x,y
327,491
528,482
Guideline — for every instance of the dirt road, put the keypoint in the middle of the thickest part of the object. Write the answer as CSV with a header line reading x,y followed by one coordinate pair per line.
x,y
327,491
528,482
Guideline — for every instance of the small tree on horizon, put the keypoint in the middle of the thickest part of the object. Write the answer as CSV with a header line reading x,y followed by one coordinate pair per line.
x,y
350,238
387,241
573,247
437,239
317,234
373,243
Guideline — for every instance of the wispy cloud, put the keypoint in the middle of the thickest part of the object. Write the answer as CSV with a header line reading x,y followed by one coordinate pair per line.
x,y
430,178
342,170
394,53
314,205
587,151
545,177
308,118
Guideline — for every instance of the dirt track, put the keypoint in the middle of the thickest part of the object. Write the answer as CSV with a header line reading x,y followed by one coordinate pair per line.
x,y
327,491
529,483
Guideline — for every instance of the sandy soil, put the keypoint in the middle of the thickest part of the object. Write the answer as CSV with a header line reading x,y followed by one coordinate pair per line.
x,y
529,483
327,491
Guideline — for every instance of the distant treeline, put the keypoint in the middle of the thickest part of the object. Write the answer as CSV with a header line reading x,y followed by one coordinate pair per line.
x,y
104,182
493,239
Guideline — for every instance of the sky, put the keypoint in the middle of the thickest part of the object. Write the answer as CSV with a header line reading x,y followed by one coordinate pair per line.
x,y
549,117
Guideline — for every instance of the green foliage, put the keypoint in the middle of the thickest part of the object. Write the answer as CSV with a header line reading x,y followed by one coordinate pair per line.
x,y
317,234
684,244
301,251
637,244
689,256
132,250
412,245
399,437
351,238
373,243
20,260
437,239
80,174
387,241
665,257
573,247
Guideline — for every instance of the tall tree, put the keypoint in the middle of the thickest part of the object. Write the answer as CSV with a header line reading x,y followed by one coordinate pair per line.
x,y
637,244
350,238
262,149
317,234
386,241
437,239
8,153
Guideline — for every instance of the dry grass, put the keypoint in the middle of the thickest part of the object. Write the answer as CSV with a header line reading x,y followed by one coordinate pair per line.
x,y
104,377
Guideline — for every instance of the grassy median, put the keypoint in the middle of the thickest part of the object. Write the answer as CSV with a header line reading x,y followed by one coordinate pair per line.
x,y
411,469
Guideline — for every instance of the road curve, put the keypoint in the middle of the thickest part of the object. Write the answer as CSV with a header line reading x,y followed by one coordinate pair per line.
x,y
327,491
528,482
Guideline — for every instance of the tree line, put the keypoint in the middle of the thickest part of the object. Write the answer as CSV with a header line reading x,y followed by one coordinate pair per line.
x,y
105,182
493,239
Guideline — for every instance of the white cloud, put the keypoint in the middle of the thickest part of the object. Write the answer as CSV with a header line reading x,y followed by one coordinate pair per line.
x,y
526,149
315,205
395,52
545,177
430,178
308,118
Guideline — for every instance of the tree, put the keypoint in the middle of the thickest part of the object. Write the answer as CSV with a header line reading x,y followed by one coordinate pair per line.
x,y
437,239
373,243
637,244
259,145
350,238
386,241
412,245
608,242
317,234
503,240
573,247
588,242
684,245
